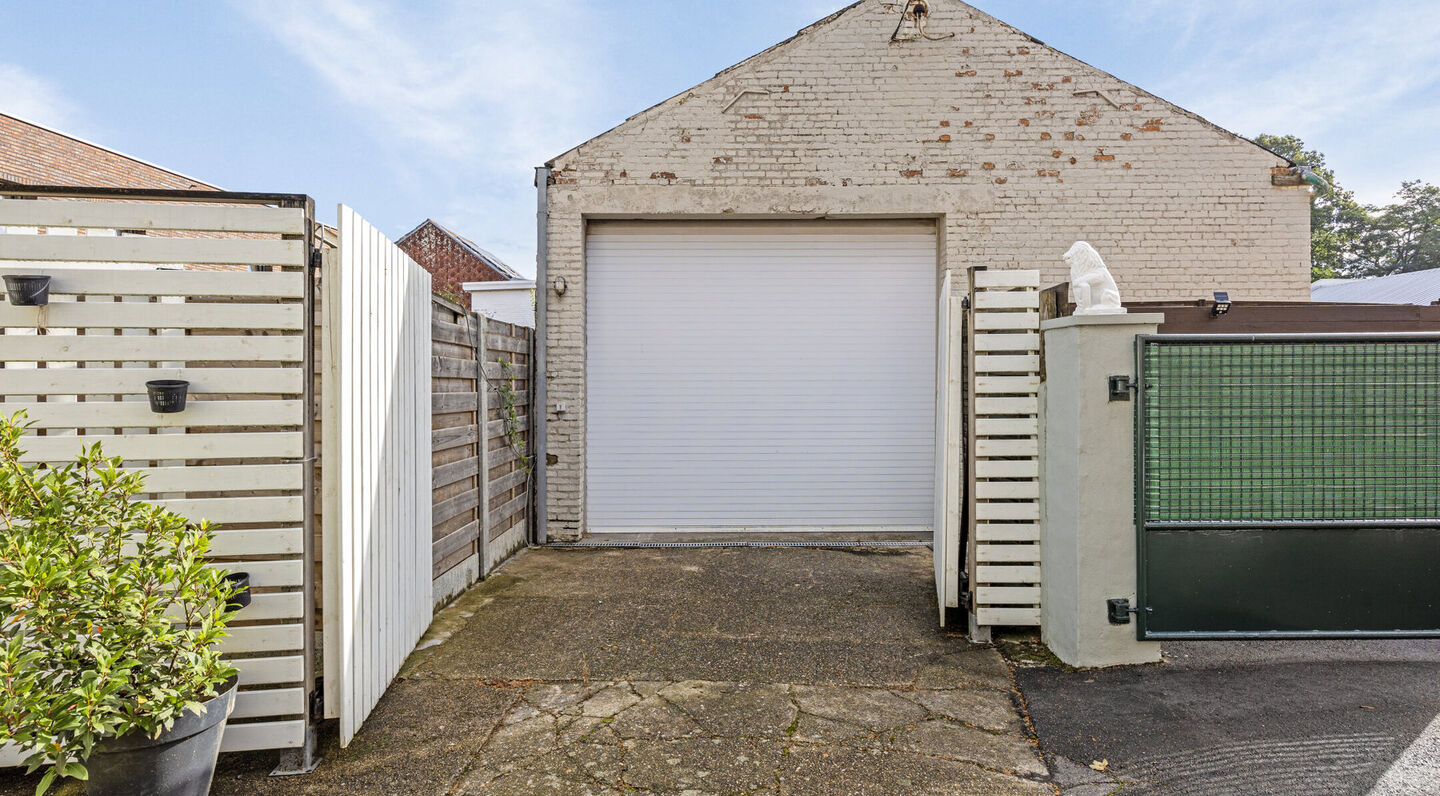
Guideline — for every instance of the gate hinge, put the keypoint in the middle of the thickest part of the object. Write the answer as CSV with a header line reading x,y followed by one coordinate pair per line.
x,y
1120,611
1121,387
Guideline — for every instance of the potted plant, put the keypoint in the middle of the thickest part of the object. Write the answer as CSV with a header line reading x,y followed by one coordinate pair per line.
x,y
28,290
109,619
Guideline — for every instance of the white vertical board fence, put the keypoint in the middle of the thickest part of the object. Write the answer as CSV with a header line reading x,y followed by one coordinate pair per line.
x,y
949,447
376,387
123,313
1004,431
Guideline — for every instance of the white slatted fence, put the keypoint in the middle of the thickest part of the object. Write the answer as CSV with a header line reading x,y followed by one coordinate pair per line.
x,y
949,447
123,312
1003,364
376,388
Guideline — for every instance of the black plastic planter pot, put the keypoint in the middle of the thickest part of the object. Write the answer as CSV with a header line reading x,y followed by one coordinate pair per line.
x,y
28,290
242,598
167,396
181,762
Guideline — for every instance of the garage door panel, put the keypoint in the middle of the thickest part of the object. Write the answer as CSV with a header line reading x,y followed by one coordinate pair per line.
x,y
760,376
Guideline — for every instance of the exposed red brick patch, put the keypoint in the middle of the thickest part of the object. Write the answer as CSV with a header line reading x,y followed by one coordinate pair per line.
x,y
1001,180
967,73
989,167
753,116
1126,136
1045,136
1016,73
944,138
1057,153
912,173
959,173
663,175
1069,136
944,124
1024,122
725,159
989,136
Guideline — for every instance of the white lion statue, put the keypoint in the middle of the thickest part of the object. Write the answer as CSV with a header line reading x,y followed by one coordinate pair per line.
x,y
1091,287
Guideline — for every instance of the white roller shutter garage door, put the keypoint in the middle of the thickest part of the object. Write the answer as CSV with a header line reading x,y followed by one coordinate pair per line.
x,y
760,376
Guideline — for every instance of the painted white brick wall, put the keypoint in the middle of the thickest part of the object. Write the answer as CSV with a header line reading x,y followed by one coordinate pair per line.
x,y
1018,151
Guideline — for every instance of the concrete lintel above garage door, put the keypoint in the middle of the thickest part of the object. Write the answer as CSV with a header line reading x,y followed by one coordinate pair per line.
x,y
760,377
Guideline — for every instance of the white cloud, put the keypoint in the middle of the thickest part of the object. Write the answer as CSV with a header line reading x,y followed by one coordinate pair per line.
x,y
31,97
478,95
1354,79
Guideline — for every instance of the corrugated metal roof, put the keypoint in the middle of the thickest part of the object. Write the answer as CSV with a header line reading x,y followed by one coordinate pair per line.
x,y
1416,287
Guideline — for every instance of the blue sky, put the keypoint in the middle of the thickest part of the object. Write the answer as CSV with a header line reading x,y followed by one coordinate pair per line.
x,y
407,109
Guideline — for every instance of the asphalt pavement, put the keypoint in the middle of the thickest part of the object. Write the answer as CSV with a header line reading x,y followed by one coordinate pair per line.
x,y
1234,718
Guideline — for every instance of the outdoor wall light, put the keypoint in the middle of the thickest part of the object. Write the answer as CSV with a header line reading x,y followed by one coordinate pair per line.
x,y
561,285
1222,305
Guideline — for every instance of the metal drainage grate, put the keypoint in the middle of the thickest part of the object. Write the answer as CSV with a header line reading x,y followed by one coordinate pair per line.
x,y
662,545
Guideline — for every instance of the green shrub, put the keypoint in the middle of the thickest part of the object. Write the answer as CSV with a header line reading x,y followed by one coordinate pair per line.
x,y
109,617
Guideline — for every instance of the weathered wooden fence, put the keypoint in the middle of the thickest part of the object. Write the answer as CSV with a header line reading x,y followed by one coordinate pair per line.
x,y
121,314
1003,505
377,478
481,463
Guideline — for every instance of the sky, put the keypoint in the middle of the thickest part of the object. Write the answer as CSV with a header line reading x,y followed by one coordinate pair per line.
x,y
415,109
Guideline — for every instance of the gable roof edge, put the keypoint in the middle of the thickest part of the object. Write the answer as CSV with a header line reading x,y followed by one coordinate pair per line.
x,y
111,150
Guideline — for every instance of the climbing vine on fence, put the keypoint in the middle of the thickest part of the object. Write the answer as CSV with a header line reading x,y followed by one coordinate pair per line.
x,y
511,414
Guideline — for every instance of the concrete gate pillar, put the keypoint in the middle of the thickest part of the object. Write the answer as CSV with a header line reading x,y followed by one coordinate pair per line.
x,y
1087,505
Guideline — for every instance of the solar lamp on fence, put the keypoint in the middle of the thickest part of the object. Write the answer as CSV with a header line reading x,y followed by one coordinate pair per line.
x,y
1221,306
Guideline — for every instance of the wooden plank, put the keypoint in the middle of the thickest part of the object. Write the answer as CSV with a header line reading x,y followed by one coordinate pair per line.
x,y
1001,574
267,575
152,215
141,315
446,402
171,282
263,638
510,509
495,429
998,321
238,510
450,544
509,481
1007,490
1006,448
991,279
1007,511
453,507
263,607
1007,300
137,414
1007,532
999,341
1027,363
1006,427
1028,405
1008,595
1006,385
152,348
131,381
160,251
268,541
452,368
455,472
453,333
986,468
270,670
157,447
1008,553
1005,617
500,342
269,702
221,478
447,438
256,736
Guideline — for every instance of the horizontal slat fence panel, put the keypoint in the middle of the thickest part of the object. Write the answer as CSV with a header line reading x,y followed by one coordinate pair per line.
x,y
480,481
136,315
1003,415
152,216
210,348
234,456
158,251
129,414
135,282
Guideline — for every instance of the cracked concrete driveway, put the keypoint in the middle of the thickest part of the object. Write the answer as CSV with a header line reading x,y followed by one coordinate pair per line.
x,y
690,671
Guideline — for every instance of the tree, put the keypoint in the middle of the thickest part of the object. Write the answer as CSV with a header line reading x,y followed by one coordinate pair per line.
x,y
1348,239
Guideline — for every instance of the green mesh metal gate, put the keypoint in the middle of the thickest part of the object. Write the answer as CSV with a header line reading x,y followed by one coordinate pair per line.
x,y
1289,486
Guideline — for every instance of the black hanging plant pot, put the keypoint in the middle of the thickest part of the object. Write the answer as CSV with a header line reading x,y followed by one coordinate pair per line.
x,y
167,396
180,762
28,290
241,598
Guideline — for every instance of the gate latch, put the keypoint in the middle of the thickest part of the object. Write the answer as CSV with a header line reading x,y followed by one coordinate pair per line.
x,y
1121,387
1120,611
